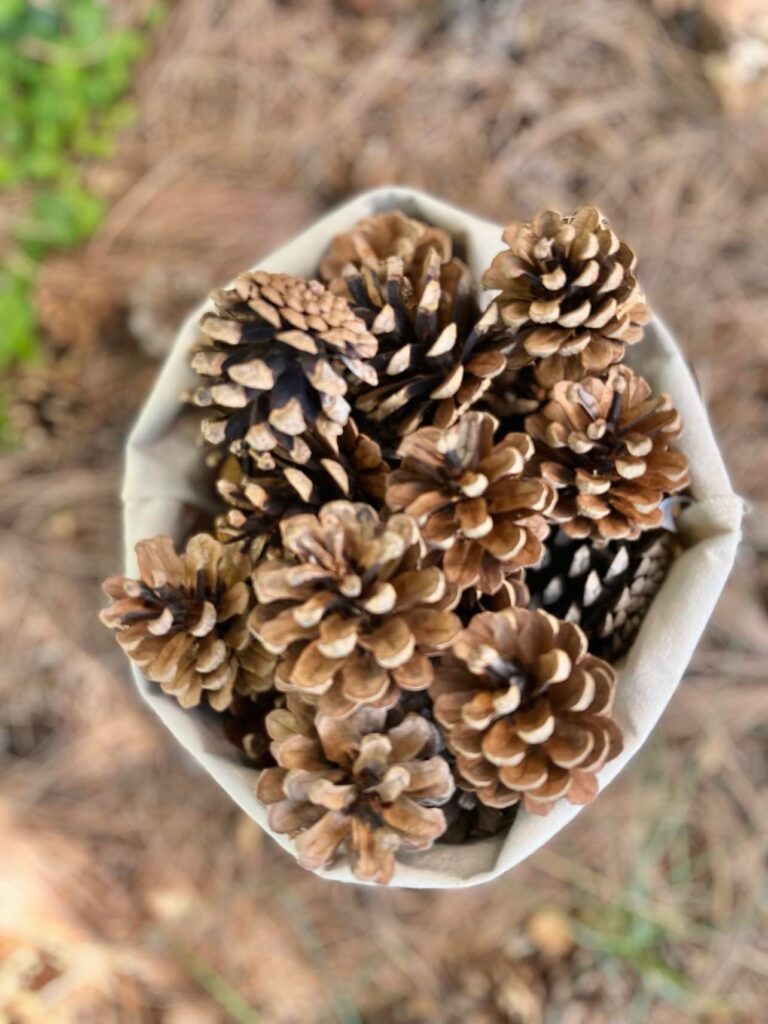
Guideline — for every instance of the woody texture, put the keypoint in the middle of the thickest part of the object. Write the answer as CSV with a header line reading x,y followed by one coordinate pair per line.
x,y
439,507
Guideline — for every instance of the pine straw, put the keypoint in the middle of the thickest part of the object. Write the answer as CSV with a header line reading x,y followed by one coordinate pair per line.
x,y
131,887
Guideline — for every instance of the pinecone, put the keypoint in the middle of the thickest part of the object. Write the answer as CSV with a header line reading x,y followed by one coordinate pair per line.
x,y
276,350
355,785
471,501
605,447
468,818
245,728
436,354
265,487
184,622
526,710
569,292
350,609
376,238
606,589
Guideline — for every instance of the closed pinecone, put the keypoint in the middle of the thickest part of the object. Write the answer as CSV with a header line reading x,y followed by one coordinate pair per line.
x,y
437,354
263,488
606,589
276,350
184,621
376,238
350,610
526,710
472,502
605,445
569,293
354,785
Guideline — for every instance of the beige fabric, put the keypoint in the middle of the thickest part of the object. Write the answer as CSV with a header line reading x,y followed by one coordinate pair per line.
x,y
159,493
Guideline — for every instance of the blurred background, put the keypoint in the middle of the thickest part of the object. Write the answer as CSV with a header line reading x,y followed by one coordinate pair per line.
x,y
149,151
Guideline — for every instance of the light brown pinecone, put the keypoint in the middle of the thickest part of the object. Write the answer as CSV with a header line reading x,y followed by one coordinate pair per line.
x,y
265,487
526,710
354,785
569,293
376,238
606,589
276,350
184,621
471,499
605,445
350,610
437,355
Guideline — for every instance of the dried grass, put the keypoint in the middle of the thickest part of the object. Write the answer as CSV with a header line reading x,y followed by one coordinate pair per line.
x,y
133,890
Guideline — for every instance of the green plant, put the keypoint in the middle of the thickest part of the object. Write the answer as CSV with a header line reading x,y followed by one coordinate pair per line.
x,y
64,74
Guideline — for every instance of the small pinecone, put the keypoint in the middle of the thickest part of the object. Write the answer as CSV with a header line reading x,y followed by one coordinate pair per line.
x,y
350,610
469,818
569,292
376,238
264,488
471,500
604,444
355,785
184,622
436,355
526,710
244,726
276,350
606,589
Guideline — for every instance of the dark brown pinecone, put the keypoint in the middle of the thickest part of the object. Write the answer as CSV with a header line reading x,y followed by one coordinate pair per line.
x,y
468,818
350,610
374,239
437,354
184,621
605,446
472,501
606,589
568,292
526,710
263,488
244,726
356,785
278,350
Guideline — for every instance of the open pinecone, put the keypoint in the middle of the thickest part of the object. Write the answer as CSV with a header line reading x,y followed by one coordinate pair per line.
x,y
604,444
471,499
605,588
355,785
184,622
376,238
569,292
276,350
265,487
526,710
436,355
350,610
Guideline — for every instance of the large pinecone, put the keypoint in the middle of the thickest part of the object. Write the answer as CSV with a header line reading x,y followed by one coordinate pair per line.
x,y
604,588
604,444
355,785
277,349
184,622
376,238
264,488
526,710
436,355
470,497
350,609
569,292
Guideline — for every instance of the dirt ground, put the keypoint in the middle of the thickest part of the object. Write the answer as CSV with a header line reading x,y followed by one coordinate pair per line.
x,y
131,889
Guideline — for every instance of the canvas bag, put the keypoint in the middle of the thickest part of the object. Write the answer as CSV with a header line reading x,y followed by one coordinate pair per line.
x,y
163,492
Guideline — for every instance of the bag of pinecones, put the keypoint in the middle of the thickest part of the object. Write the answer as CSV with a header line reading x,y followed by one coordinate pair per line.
x,y
423,521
